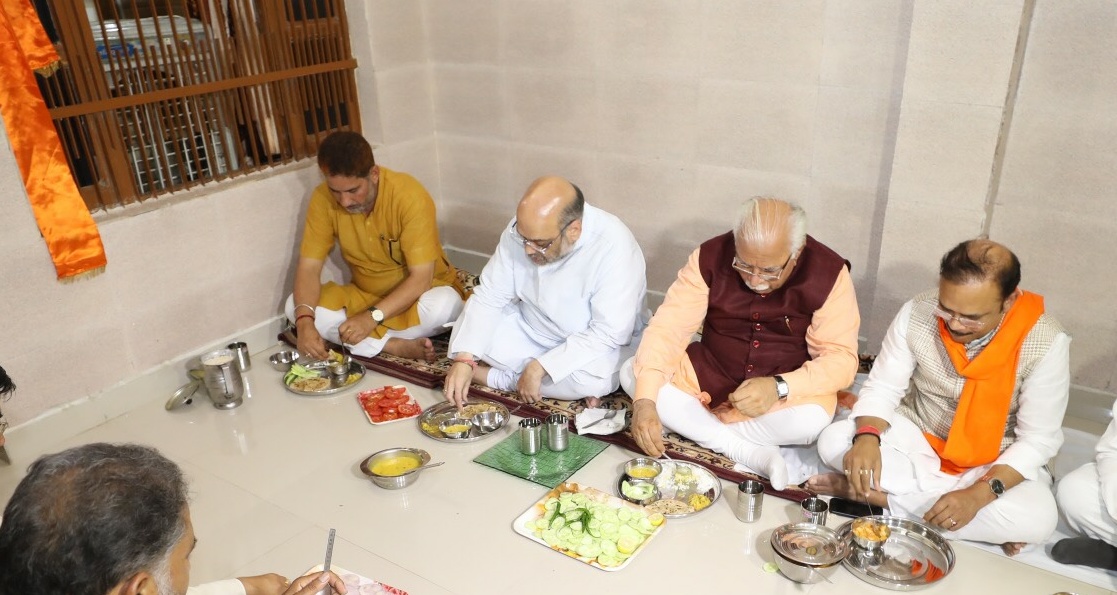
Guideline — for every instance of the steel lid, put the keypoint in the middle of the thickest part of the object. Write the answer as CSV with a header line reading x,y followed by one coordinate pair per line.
x,y
809,544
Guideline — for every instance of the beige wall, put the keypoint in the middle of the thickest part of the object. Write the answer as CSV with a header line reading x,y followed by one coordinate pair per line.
x,y
887,119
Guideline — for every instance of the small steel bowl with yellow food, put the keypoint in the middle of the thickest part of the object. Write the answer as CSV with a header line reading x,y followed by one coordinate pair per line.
x,y
869,533
395,468
642,468
455,427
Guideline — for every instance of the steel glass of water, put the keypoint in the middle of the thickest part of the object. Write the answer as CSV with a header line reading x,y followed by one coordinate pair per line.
x,y
815,510
750,501
531,434
558,432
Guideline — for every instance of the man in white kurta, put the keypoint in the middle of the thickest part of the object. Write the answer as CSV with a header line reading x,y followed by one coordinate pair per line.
x,y
1088,498
560,305
904,426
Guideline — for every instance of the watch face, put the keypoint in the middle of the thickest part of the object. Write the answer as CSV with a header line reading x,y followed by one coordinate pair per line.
x,y
377,315
997,485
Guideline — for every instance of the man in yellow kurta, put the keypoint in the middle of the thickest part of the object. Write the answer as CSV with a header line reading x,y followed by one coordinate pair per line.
x,y
402,288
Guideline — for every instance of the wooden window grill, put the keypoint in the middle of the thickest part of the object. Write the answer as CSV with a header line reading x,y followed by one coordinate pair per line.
x,y
156,96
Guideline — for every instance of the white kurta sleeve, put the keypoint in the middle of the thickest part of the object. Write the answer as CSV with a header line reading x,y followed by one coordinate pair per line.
x,y
226,587
1107,465
1039,420
892,371
473,332
615,303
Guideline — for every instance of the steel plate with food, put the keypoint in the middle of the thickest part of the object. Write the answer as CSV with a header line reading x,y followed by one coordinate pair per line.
x,y
314,379
589,525
911,555
482,416
675,489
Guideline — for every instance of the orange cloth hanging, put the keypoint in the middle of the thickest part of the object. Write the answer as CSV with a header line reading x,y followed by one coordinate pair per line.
x,y
978,427
63,218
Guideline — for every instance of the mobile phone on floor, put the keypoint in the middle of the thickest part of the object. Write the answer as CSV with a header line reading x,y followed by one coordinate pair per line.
x,y
852,509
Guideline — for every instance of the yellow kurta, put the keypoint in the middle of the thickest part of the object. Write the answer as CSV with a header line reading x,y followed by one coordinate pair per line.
x,y
400,231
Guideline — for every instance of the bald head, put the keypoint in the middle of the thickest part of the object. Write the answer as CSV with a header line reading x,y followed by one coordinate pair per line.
x,y
771,223
976,261
550,200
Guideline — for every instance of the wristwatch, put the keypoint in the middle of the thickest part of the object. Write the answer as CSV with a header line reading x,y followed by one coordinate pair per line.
x,y
377,314
781,388
997,486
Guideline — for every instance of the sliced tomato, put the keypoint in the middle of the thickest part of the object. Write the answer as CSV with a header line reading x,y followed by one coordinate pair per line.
x,y
389,416
409,409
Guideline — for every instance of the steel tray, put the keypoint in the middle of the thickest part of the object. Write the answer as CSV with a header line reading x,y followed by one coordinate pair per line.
x,y
355,367
914,556
429,420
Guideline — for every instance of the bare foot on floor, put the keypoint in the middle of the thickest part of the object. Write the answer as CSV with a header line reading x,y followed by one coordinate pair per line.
x,y
591,402
836,484
421,348
1012,548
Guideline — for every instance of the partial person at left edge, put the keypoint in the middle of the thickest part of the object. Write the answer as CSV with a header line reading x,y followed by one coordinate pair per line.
x,y
402,288
114,519
7,387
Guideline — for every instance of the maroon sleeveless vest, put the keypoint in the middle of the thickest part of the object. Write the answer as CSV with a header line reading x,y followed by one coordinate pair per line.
x,y
745,334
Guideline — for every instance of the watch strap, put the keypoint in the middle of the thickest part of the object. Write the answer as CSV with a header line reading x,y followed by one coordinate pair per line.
x,y
782,389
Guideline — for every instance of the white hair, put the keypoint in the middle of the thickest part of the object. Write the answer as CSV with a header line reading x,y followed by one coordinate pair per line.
x,y
756,227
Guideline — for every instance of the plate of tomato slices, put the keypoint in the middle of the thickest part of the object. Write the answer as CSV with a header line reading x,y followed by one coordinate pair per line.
x,y
388,404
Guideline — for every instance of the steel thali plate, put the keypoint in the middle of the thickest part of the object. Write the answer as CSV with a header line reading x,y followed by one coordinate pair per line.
x,y
355,367
914,556
435,414
703,482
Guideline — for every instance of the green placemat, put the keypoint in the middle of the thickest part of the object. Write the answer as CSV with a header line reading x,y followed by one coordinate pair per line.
x,y
546,467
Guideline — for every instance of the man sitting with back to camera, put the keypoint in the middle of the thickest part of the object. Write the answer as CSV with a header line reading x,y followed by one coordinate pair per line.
x,y
113,519
560,305
779,326
965,447
403,289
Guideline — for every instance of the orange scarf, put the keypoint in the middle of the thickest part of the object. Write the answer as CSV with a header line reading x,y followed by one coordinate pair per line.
x,y
64,220
978,426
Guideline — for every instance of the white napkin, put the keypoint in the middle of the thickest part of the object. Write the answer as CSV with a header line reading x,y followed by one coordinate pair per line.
x,y
609,426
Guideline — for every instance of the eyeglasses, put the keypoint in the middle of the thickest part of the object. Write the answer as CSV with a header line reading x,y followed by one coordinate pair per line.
x,y
538,247
768,274
965,322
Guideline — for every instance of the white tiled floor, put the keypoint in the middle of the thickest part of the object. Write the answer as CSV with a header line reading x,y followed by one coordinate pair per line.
x,y
271,477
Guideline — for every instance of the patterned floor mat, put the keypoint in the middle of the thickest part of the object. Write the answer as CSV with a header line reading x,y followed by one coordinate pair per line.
x,y
430,375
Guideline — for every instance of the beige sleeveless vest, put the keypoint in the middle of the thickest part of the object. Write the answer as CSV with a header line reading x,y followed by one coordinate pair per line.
x,y
936,387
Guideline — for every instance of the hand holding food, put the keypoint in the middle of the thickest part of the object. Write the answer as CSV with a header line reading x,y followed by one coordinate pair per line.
x,y
310,343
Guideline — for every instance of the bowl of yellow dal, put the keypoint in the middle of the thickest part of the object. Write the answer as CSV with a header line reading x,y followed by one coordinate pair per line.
x,y
395,468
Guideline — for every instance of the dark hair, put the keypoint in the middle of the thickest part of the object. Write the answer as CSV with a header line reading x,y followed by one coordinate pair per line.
x,y
6,385
981,260
575,209
86,519
345,153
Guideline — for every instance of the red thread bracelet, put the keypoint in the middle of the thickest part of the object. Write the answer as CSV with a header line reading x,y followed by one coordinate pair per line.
x,y
301,316
470,362
867,430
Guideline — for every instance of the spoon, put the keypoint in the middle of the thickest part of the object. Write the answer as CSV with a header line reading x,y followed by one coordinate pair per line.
x,y
610,415
427,466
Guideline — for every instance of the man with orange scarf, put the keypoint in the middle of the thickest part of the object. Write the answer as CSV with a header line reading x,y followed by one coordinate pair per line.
x,y
963,408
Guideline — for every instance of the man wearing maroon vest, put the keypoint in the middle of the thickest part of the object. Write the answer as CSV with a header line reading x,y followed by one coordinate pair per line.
x,y
779,323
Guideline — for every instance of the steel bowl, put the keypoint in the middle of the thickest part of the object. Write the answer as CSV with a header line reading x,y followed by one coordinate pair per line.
x,y
488,421
445,426
643,462
807,552
282,360
395,482
862,542
639,483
